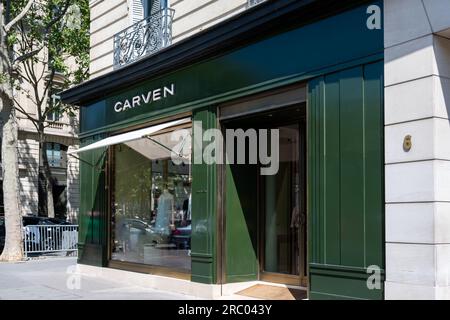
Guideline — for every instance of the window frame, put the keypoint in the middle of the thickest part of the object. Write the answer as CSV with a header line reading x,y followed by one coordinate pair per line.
x,y
110,183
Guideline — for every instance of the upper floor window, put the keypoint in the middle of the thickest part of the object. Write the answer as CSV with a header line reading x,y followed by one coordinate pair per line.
x,y
55,104
53,116
56,155
142,9
150,31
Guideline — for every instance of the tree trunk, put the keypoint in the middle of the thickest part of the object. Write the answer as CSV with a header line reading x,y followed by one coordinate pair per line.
x,y
50,203
47,175
13,250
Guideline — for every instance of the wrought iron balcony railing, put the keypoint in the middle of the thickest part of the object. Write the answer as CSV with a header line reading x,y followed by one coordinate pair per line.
x,y
143,38
251,3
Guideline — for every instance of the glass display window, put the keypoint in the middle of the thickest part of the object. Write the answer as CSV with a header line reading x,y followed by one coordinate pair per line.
x,y
151,203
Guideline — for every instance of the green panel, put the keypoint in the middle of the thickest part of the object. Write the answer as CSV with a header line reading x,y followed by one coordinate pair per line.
x,y
345,181
312,154
93,206
204,203
373,171
331,163
241,223
342,287
247,68
94,116
352,167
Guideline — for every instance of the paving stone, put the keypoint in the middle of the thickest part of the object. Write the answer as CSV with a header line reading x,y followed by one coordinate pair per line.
x,y
46,279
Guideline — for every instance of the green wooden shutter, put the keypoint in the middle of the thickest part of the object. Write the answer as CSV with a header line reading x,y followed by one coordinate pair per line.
x,y
345,182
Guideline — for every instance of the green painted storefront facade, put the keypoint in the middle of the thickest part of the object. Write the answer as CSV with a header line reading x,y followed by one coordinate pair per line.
x,y
345,174
341,60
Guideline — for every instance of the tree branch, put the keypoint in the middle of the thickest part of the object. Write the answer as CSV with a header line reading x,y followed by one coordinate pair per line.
x,y
23,76
48,86
19,16
58,17
50,80
21,109
28,54
27,72
5,92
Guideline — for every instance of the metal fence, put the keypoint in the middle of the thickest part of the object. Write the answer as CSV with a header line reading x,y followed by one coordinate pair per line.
x,y
40,239
143,38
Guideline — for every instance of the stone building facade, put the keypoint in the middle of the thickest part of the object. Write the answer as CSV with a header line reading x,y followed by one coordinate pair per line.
x,y
61,136
112,16
417,104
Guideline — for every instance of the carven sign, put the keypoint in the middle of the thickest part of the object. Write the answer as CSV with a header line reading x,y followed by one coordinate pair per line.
x,y
145,98
234,73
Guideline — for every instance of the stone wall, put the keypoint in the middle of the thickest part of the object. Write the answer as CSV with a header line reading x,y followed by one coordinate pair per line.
x,y
417,102
109,17
28,156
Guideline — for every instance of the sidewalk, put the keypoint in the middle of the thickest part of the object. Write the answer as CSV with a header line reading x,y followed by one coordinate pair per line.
x,y
50,279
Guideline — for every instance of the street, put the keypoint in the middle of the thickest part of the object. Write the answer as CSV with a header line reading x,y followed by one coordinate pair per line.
x,y
49,279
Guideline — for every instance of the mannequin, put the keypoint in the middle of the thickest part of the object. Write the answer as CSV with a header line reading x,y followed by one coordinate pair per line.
x,y
164,217
189,212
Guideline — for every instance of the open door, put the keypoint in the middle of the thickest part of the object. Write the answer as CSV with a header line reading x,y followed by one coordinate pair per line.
x,y
265,215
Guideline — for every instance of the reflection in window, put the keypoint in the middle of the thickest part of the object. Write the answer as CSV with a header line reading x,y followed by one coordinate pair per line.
x,y
151,222
56,154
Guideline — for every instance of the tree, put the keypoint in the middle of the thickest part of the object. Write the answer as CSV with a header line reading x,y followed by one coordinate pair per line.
x,y
46,39
13,224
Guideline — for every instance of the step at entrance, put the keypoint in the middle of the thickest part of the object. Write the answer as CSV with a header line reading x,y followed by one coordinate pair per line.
x,y
266,292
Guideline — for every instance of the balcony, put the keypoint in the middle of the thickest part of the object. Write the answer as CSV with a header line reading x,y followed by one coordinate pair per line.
x,y
251,3
145,37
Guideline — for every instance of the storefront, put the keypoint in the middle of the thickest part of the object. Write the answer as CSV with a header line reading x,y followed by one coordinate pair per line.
x,y
310,71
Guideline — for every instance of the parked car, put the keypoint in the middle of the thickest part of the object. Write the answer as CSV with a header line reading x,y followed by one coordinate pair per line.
x,y
181,237
32,220
132,234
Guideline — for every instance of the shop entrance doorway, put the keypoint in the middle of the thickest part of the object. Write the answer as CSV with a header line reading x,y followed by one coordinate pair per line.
x,y
264,216
283,213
